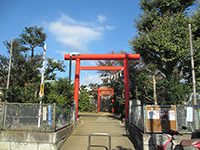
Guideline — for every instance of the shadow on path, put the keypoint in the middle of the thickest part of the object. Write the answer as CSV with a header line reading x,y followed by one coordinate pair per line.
x,y
99,123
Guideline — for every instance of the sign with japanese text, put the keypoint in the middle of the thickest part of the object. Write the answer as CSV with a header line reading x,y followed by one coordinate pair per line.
x,y
160,118
44,114
49,115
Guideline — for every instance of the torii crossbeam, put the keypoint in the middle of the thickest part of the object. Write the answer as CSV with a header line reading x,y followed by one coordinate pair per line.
x,y
124,57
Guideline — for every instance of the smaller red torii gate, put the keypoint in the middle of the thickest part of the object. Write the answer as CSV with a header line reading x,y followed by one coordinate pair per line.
x,y
112,90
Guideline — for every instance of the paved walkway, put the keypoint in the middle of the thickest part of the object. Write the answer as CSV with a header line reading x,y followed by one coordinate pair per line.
x,y
102,123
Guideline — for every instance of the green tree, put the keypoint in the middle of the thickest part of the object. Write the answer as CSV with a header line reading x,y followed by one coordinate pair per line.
x,y
56,91
24,75
163,39
172,91
59,92
33,36
168,91
92,87
3,70
156,10
52,67
84,99
144,89
164,44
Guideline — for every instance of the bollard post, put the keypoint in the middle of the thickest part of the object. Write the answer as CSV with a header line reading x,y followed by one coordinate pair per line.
x,y
99,134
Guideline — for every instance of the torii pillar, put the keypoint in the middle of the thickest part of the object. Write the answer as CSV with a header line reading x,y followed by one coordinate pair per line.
x,y
124,57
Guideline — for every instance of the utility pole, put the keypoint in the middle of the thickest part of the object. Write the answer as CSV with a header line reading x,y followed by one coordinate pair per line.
x,y
193,79
42,77
192,66
42,87
8,80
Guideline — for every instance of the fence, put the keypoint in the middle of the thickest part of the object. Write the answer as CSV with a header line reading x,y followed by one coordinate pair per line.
x,y
137,116
191,122
43,117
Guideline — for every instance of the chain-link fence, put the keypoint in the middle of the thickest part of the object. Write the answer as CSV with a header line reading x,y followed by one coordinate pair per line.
x,y
44,117
187,117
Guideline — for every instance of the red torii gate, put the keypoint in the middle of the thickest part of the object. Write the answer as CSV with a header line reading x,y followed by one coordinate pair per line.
x,y
124,57
112,90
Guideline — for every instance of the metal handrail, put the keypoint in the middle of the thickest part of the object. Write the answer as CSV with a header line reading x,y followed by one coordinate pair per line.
x,y
99,134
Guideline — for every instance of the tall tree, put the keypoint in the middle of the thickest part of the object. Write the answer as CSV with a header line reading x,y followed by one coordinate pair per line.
x,y
164,44
24,73
25,76
33,36
163,37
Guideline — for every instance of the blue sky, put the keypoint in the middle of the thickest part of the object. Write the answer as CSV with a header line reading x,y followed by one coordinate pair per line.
x,y
84,26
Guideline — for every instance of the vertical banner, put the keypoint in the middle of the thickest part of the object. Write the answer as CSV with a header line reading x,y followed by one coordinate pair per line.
x,y
44,114
49,115
189,114
42,89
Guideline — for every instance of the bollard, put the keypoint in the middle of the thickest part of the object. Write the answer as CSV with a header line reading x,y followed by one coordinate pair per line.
x,y
99,134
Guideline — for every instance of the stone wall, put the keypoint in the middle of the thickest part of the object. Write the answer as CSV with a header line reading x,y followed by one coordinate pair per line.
x,y
144,141
34,140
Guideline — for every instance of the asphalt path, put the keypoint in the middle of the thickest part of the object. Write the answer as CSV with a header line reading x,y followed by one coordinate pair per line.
x,y
98,123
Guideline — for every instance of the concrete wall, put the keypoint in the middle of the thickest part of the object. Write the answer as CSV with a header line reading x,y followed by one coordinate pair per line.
x,y
34,140
144,141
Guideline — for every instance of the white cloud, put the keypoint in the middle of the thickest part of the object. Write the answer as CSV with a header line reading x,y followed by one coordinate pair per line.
x,y
61,52
75,34
86,80
66,19
109,27
89,62
101,18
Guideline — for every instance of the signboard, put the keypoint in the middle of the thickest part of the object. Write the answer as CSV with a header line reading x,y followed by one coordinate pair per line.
x,y
160,118
189,114
49,115
44,114
42,89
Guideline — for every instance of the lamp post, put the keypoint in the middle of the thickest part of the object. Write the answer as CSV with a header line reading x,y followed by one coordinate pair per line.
x,y
70,63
